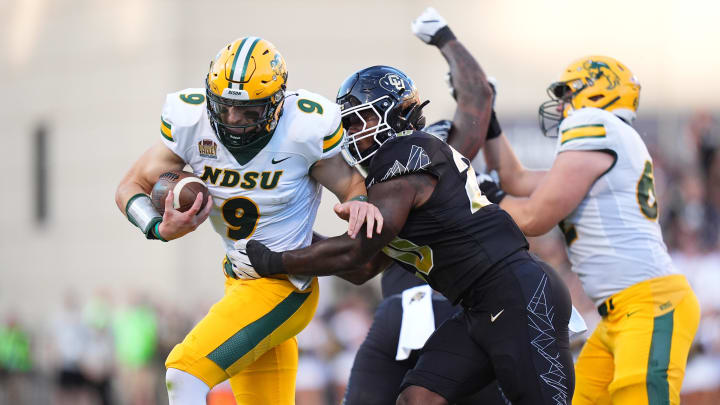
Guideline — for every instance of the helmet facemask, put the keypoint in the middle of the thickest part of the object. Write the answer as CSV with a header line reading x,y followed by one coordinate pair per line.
x,y
554,110
365,116
236,136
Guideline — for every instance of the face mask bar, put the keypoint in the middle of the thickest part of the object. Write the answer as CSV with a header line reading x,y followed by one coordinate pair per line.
x,y
550,112
244,134
380,132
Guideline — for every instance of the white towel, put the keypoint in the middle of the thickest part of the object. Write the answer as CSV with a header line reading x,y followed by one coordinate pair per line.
x,y
418,320
301,282
577,325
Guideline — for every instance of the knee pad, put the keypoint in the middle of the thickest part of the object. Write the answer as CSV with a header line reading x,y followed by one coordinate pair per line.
x,y
184,388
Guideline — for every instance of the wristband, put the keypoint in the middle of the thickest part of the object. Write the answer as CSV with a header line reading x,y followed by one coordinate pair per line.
x,y
442,37
156,231
494,129
141,213
359,197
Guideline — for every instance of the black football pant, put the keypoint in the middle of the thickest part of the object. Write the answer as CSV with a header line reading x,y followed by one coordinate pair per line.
x,y
513,329
376,376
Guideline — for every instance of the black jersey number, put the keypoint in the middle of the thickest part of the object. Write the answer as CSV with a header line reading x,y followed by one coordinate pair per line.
x,y
241,216
402,250
476,197
646,193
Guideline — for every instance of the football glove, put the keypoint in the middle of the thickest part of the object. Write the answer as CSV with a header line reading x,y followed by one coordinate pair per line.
x,y
490,188
240,261
432,28
264,261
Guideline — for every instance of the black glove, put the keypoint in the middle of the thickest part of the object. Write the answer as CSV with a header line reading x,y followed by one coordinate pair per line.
x,y
264,261
494,129
490,188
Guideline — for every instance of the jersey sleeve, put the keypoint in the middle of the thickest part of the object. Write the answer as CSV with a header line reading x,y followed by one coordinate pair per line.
x,y
180,114
315,124
585,129
334,133
408,153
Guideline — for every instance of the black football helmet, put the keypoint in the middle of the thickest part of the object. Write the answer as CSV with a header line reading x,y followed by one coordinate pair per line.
x,y
387,93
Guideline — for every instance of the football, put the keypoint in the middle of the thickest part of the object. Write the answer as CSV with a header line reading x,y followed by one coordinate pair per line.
x,y
185,187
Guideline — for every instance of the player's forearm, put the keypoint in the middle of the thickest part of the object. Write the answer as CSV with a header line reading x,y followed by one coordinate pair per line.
x,y
474,99
515,179
369,270
331,256
126,190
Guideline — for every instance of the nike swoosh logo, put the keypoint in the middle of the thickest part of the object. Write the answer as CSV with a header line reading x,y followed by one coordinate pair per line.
x,y
494,317
281,160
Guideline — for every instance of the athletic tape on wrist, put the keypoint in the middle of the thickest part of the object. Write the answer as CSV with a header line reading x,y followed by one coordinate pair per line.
x,y
141,213
442,37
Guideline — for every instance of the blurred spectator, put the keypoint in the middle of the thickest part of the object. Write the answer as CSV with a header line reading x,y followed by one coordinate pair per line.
x,y
15,362
70,337
135,331
98,362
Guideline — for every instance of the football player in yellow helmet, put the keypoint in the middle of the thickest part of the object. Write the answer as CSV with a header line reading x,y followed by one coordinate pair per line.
x,y
601,191
264,153
592,81
245,90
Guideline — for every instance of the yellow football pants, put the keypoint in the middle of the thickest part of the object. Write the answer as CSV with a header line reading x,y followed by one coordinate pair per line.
x,y
637,353
249,337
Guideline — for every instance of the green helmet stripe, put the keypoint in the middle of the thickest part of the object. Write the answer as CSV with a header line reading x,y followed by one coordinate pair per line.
x,y
237,53
247,59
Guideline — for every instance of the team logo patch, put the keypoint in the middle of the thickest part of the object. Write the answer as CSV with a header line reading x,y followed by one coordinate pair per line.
x,y
394,83
600,70
207,148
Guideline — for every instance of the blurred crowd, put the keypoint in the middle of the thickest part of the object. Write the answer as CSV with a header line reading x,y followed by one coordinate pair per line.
x,y
97,350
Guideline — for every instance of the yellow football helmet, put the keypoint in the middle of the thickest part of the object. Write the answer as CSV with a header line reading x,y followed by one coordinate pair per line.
x,y
593,81
245,91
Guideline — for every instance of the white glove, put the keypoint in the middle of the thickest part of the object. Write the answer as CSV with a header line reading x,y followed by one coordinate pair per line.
x,y
428,24
240,261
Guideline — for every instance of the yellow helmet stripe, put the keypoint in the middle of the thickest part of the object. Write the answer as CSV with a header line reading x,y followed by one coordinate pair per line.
x,y
333,140
583,131
165,130
242,54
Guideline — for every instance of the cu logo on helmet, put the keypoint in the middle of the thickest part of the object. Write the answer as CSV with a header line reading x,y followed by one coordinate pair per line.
x,y
393,82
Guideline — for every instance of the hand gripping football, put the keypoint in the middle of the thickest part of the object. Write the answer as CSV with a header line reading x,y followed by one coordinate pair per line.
x,y
185,187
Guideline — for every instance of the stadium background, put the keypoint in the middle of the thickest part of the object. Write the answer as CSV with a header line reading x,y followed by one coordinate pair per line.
x,y
83,83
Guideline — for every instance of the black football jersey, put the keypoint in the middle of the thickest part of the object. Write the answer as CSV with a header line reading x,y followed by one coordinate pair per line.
x,y
453,239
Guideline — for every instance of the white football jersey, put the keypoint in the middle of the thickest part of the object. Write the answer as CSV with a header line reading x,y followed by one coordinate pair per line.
x,y
271,197
613,237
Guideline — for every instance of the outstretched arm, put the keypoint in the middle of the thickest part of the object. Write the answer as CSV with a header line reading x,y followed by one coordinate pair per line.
x,y
559,192
394,198
470,86
515,178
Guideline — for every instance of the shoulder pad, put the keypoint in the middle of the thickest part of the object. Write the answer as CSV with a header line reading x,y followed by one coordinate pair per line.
x,y
586,126
408,152
315,122
182,109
